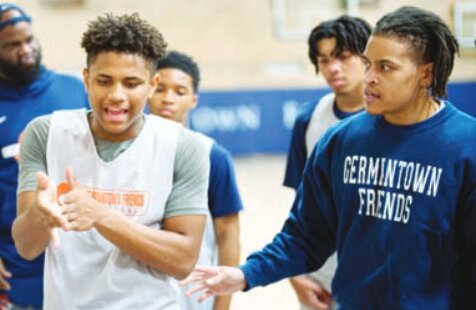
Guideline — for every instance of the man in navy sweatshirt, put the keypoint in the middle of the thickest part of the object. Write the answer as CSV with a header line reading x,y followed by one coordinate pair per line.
x,y
392,190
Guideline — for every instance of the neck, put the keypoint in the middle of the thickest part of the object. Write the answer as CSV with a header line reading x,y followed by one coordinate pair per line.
x,y
4,78
351,102
421,109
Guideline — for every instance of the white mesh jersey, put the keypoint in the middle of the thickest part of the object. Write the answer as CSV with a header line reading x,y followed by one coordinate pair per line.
x,y
87,271
323,117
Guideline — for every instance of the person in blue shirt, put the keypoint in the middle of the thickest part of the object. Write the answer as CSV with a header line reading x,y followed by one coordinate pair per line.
x,y
335,50
392,190
27,90
175,96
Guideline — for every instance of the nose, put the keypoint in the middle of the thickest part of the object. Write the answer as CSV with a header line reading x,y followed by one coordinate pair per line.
x,y
116,93
370,77
334,66
169,97
26,48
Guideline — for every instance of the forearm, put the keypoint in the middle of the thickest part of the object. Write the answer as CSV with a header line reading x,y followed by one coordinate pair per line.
x,y
170,252
227,232
229,249
222,302
30,234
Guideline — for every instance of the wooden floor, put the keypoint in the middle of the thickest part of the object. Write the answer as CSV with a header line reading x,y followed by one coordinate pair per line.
x,y
267,204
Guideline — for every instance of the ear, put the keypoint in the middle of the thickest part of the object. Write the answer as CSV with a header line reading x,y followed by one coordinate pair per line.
x,y
154,81
426,74
194,102
86,79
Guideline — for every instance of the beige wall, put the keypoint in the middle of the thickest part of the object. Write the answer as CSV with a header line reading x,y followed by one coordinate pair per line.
x,y
234,41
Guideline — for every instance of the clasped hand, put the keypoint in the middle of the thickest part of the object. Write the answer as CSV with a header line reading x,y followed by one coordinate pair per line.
x,y
72,211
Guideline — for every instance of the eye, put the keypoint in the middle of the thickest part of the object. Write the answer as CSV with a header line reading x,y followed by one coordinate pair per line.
x,y
12,45
366,64
131,84
181,92
102,82
385,67
160,88
322,61
344,56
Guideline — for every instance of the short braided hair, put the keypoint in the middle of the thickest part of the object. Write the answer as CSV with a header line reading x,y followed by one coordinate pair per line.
x,y
430,38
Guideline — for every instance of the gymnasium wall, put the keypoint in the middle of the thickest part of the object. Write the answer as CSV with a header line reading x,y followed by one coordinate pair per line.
x,y
239,44
252,54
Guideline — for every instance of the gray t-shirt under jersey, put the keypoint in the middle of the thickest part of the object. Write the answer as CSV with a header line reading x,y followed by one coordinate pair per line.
x,y
185,197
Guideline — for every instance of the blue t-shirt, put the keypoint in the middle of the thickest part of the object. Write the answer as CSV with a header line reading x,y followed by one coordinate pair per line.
x,y
298,152
18,106
398,203
223,196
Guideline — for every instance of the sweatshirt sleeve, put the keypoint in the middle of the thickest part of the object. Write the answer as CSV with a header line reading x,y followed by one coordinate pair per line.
x,y
465,238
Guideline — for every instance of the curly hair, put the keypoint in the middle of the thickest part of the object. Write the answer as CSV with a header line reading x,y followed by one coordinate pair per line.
x,y
430,39
182,62
123,34
351,34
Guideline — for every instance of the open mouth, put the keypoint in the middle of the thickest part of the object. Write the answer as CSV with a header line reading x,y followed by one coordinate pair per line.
x,y
115,114
371,96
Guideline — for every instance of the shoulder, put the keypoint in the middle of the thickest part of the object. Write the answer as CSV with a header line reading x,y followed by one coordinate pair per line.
x,y
305,111
219,152
220,158
36,132
40,124
190,145
462,120
66,77
348,128
459,130
67,83
219,155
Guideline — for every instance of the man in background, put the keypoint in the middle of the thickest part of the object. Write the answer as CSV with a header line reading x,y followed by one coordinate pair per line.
x,y
335,50
27,90
175,96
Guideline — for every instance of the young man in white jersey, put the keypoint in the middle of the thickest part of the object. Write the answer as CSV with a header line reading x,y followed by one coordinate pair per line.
x,y
335,49
175,96
136,210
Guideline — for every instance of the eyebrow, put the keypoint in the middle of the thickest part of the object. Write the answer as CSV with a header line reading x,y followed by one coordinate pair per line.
x,y
104,75
381,61
385,61
135,78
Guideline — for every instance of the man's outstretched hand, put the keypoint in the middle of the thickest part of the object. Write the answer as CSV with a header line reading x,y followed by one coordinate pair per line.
x,y
214,281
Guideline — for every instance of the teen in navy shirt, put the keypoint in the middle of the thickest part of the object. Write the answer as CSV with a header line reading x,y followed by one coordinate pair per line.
x,y
175,96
